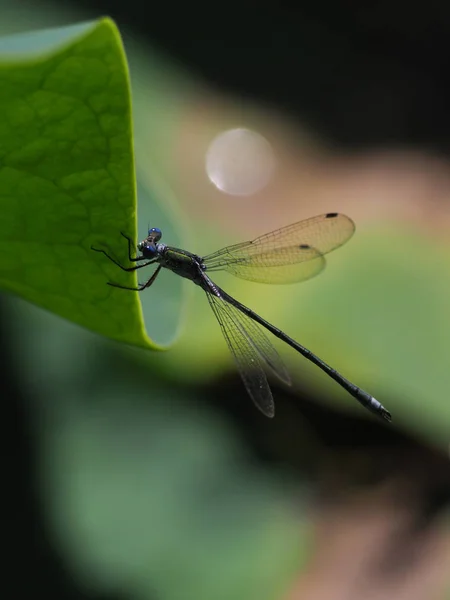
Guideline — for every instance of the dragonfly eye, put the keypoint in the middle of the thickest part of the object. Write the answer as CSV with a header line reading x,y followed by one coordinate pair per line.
x,y
155,234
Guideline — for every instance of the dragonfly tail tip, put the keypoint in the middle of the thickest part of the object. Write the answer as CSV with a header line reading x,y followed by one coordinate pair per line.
x,y
386,415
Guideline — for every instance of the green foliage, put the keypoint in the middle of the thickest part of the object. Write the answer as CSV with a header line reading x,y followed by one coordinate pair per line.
x,y
140,481
390,323
67,175
139,490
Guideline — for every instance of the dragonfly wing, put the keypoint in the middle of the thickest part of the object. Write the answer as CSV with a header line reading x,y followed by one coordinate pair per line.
x,y
260,342
249,346
282,256
274,267
324,232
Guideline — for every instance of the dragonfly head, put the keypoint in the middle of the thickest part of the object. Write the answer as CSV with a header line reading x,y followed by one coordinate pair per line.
x,y
149,246
154,234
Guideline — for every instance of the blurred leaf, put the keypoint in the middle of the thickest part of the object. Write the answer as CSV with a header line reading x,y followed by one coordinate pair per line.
x,y
164,307
141,482
140,493
388,325
67,175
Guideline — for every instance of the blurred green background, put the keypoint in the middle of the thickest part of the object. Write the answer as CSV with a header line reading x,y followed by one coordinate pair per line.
x,y
154,476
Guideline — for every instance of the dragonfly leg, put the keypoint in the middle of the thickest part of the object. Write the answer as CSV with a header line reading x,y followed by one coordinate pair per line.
x,y
118,263
141,286
130,246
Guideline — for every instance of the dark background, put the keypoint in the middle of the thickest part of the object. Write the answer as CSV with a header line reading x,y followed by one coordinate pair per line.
x,y
361,74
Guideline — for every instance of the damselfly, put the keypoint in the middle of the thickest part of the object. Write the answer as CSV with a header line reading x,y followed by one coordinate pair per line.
x,y
288,255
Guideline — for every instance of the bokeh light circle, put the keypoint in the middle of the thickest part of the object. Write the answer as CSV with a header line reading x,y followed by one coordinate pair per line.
x,y
240,162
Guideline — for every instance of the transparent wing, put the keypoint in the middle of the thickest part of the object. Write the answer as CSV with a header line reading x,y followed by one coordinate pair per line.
x,y
287,255
285,265
250,347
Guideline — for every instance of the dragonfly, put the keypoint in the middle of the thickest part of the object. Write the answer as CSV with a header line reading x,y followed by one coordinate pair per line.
x,y
291,254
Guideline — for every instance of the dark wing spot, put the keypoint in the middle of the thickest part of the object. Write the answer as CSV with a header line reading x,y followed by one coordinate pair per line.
x,y
331,215
304,246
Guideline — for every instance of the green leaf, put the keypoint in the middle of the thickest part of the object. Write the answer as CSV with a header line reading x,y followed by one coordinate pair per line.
x,y
67,176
